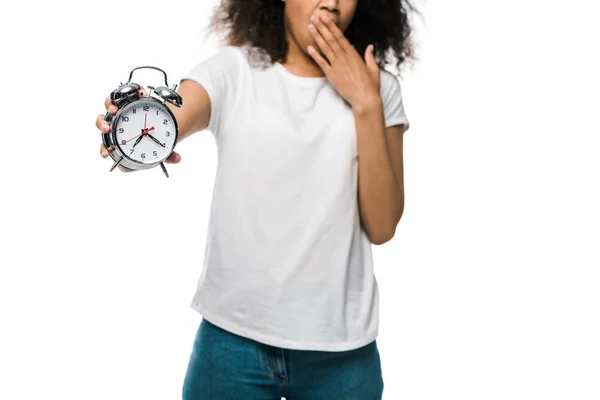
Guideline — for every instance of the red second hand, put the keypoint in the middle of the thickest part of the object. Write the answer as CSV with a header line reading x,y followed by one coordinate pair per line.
x,y
127,141
131,139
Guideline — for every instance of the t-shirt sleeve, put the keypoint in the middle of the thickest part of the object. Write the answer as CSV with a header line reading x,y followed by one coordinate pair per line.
x,y
391,95
218,74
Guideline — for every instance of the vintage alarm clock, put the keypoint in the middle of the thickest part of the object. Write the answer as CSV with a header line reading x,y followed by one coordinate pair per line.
x,y
144,130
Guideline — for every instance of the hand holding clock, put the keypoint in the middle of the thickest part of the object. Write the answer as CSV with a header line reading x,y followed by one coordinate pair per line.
x,y
104,127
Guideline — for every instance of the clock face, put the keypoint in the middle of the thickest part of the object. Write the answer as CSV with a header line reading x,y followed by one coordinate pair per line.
x,y
145,131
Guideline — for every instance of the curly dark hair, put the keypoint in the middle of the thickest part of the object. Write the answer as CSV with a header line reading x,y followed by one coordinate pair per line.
x,y
258,25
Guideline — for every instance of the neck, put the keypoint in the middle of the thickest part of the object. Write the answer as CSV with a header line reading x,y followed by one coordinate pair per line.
x,y
300,62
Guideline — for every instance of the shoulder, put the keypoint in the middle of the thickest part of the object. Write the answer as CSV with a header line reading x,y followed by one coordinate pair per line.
x,y
389,84
223,57
232,58
227,54
391,97
222,62
385,74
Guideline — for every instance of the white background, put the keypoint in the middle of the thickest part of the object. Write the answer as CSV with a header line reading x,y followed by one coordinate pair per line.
x,y
489,290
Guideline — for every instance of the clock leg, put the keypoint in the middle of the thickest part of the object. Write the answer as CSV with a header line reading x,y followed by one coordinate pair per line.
x,y
115,164
162,165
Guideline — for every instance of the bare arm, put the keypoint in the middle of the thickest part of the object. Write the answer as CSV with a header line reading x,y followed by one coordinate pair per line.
x,y
380,192
195,113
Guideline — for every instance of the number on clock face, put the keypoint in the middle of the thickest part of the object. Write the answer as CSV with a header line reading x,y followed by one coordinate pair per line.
x,y
145,132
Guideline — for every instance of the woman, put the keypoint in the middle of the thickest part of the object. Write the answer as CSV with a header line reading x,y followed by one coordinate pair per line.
x,y
310,175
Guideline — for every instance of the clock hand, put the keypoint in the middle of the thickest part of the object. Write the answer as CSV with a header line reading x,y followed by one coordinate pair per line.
x,y
153,138
131,139
143,131
137,141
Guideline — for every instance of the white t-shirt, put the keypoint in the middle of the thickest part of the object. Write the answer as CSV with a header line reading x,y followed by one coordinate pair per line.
x,y
286,262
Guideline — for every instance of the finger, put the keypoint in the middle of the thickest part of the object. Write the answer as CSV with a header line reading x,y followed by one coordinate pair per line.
x,y
329,38
102,124
320,41
174,158
319,59
110,106
371,61
103,151
337,33
142,92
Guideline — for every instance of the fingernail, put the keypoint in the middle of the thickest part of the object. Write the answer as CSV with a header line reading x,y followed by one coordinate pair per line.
x,y
113,108
104,153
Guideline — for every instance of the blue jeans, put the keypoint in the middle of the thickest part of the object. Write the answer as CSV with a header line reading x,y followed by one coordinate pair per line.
x,y
226,366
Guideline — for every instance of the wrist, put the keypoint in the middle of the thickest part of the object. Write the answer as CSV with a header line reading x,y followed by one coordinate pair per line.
x,y
368,104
